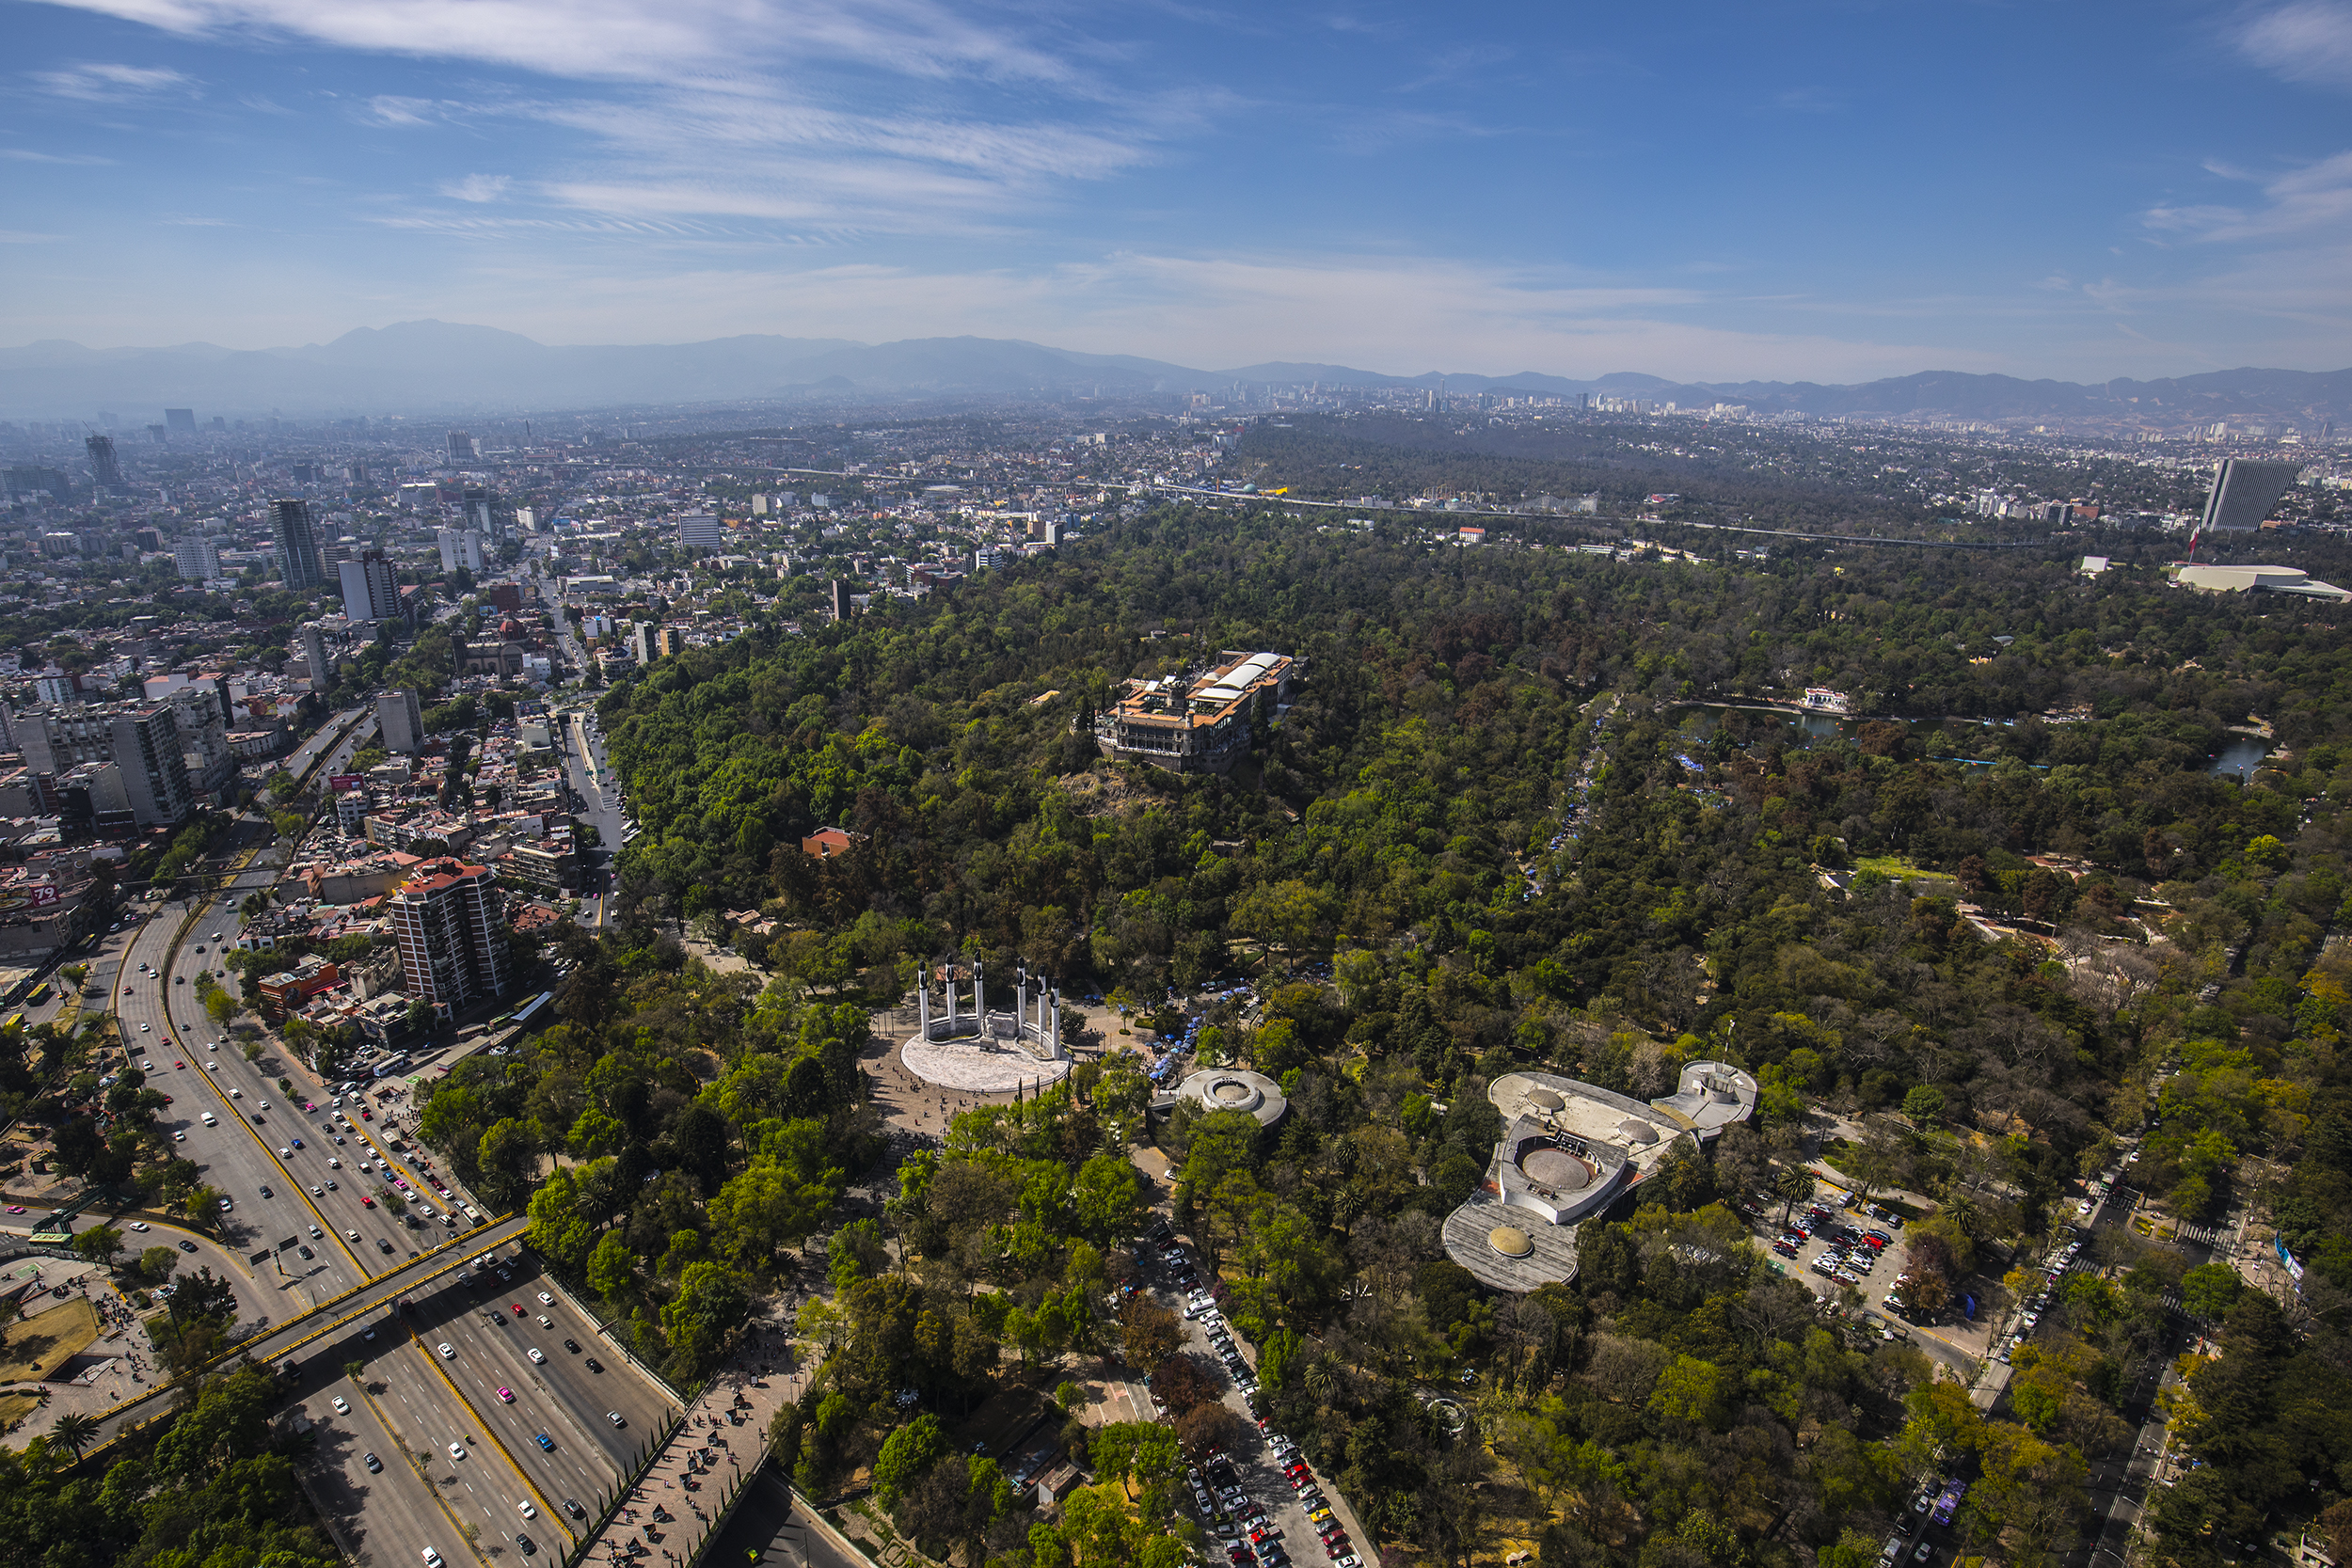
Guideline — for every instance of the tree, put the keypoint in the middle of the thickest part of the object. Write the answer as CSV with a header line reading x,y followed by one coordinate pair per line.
x,y
100,1243
202,1297
1210,1428
612,1268
2209,1290
1924,1105
1792,1185
1149,1332
74,1430
560,1227
1108,1199
710,1305
156,1263
856,1252
909,1451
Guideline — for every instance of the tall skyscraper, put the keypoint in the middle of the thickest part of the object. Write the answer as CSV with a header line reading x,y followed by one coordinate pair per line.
x,y
105,470
700,531
297,547
370,587
450,919
314,655
2243,493
180,421
463,448
400,720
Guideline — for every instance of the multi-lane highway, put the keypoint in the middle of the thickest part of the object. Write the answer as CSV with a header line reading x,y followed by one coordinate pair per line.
x,y
508,1379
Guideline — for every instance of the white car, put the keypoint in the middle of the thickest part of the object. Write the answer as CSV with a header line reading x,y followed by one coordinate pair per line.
x,y
546,1300
458,1450
432,1558
333,1164
342,1405
447,1350
538,1357
314,1233
178,1137
211,1067
236,1094
138,1225
351,1235
529,1511
144,1029
265,1105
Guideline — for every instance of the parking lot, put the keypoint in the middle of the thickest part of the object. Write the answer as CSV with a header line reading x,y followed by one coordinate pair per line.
x,y
1263,1506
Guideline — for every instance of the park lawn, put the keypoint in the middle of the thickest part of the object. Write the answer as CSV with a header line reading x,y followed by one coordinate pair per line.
x,y
1896,868
33,1348
14,1408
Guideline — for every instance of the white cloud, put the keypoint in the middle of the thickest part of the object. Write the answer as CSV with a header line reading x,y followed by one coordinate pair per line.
x,y
2303,201
26,156
478,187
390,109
621,39
111,83
2308,40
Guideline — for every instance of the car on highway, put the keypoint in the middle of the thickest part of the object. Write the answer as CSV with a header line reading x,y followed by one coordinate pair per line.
x,y
538,1357
342,1405
458,1450
351,1235
432,1558
374,1464
366,1202
518,1308
267,1193
138,1225
314,1233
211,1067
178,1137
236,1094
595,1364
614,1417
307,1253
546,1322
187,1246
523,1544
506,1396
146,1029
226,1206
182,1066
546,1300
572,1345
528,1511
547,1444
383,1246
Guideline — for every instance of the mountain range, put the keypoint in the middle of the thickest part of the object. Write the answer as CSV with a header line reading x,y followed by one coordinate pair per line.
x,y
428,367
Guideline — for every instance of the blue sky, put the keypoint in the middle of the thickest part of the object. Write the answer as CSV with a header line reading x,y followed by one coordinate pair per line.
x,y
1780,189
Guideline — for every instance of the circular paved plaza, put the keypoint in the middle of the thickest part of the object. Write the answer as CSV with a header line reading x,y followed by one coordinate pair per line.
x,y
978,1067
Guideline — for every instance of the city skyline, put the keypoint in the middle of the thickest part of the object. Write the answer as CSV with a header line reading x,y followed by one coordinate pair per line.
x,y
1837,192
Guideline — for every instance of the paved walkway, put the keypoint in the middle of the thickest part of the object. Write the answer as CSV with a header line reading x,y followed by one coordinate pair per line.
x,y
725,1431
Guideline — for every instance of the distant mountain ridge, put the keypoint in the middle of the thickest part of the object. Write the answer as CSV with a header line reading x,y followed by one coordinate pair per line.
x,y
430,367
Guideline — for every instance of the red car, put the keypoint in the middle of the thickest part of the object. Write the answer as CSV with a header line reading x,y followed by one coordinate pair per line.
x,y
366,1115
519,1311
366,1202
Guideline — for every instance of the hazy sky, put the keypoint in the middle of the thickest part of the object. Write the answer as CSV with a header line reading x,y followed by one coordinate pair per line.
x,y
1776,188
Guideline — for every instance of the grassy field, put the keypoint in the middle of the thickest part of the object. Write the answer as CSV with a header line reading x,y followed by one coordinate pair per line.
x,y
33,1348
1896,868
14,1408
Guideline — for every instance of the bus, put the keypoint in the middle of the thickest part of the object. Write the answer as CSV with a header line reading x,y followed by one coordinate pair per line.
x,y
16,1021
40,994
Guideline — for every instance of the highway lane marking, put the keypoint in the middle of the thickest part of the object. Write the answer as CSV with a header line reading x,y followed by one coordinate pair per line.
x,y
496,1441
407,1457
300,1191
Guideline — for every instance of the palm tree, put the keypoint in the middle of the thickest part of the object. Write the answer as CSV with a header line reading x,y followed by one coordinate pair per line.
x,y
74,1430
1791,1185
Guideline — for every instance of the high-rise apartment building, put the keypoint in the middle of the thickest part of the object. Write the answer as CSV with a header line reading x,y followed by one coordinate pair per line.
x,y
297,546
370,588
106,471
314,656
450,919
461,548
463,448
180,421
700,531
142,740
196,558
400,722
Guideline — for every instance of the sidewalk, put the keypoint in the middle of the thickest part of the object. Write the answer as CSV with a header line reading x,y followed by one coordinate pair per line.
x,y
722,1440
